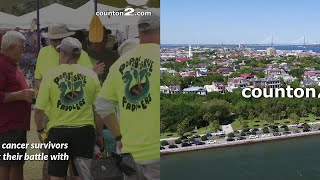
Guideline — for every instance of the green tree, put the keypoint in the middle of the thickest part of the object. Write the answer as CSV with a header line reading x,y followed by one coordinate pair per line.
x,y
162,127
270,120
304,113
288,110
215,125
314,110
283,114
210,67
265,130
263,117
169,79
217,115
164,143
204,138
252,115
207,117
295,118
295,84
242,109
286,128
243,122
296,72
178,141
306,126
260,74
182,128
231,134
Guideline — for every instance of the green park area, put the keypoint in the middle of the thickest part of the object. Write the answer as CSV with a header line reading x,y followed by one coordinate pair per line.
x,y
256,123
181,113
32,169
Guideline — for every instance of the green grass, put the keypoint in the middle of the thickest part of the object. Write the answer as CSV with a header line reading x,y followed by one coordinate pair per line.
x,y
236,124
32,169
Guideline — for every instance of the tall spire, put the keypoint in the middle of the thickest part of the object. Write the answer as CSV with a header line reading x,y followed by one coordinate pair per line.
x,y
272,41
190,54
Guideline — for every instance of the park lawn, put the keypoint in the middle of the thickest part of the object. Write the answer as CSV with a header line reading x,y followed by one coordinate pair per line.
x,y
203,130
236,124
32,169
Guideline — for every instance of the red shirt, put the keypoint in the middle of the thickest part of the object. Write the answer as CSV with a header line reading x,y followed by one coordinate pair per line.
x,y
14,115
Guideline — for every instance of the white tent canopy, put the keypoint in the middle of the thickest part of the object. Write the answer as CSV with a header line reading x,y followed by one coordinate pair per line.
x,y
129,24
75,19
54,13
84,14
7,21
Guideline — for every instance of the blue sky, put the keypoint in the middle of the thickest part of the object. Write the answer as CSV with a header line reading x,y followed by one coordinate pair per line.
x,y
240,21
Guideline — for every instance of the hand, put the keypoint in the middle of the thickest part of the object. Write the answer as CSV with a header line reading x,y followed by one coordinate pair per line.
x,y
99,141
43,137
26,95
119,147
99,68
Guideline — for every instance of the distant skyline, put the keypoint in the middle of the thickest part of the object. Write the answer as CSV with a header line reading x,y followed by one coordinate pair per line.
x,y
240,21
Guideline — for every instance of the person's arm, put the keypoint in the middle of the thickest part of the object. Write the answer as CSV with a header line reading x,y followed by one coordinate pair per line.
x,y
41,104
99,129
106,111
37,84
105,108
39,116
5,97
98,122
111,122
23,95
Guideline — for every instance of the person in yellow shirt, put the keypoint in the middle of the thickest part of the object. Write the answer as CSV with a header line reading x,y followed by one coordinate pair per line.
x,y
109,140
48,59
70,91
133,82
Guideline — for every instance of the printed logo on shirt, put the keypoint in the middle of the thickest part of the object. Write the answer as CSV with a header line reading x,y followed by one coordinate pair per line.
x,y
71,91
135,74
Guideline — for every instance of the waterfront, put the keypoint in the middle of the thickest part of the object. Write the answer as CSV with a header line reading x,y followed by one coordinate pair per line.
x,y
293,159
256,47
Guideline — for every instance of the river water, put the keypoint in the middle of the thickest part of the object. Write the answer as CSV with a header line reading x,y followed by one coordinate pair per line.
x,y
289,159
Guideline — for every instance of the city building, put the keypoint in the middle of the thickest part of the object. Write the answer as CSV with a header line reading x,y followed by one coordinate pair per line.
x,y
271,51
216,87
195,89
235,83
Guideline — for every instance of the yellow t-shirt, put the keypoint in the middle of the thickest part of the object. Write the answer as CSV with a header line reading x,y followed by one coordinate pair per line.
x,y
49,58
70,91
134,81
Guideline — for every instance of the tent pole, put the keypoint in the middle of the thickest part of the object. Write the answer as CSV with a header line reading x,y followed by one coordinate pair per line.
x,y
38,25
95,5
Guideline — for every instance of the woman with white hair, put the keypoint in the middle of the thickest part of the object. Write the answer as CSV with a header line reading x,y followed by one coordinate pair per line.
x,y
15,105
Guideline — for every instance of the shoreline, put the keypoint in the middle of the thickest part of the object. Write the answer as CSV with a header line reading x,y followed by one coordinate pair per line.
x,y
235,143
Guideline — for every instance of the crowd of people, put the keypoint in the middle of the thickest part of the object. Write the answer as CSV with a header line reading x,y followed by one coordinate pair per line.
x,y
87,94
